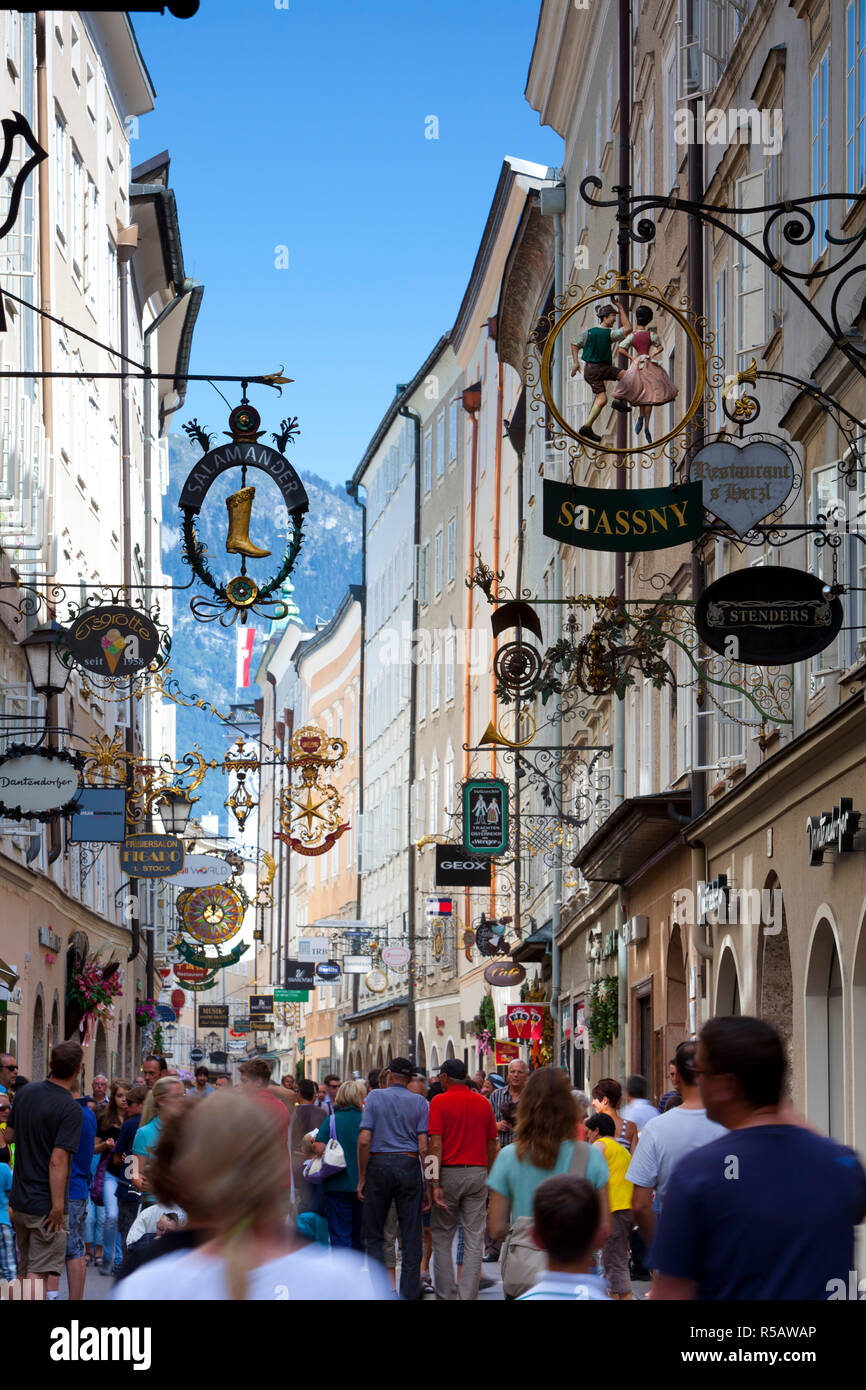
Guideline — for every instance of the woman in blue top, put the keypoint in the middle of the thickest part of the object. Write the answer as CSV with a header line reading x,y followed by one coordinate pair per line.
x,y
545,1145
342,1205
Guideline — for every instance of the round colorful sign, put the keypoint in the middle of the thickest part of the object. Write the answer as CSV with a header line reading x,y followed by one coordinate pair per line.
x,y
211,915
112,640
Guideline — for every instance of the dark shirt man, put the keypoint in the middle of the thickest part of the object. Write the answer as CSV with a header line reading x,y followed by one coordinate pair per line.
x,y
391,1148
768,1211
45,1126
464,1143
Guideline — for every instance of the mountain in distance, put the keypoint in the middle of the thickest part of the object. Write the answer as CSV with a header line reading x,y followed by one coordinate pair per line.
x,y
203,654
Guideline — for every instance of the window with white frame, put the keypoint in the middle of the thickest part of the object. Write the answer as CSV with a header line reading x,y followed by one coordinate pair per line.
x,y
91,245
440,445
419,806
77,228
111,291
90,91
649,155
820,147
686,674
448,782
433,824
670,106
450,663
720,308
422,574
828,500
109,144
60,176
453,426
435,678
421,689
749,272
428,461
74,54
773,193
648,713
438,541
855,95
451,551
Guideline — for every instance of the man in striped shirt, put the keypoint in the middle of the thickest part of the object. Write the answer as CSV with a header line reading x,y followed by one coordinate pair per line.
x,y
504,1101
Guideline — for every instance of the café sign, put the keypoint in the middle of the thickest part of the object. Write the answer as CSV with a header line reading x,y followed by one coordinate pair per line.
x,y
37,784
652,518
834,830
503,975
768,615
111,636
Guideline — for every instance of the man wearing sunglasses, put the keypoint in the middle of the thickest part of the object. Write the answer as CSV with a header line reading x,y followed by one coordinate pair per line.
x,y
8,1072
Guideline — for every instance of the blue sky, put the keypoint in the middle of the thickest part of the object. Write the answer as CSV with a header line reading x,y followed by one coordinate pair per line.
x,y
304,127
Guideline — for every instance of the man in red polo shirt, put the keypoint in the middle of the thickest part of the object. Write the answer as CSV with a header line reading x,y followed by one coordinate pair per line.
x,y
464,1143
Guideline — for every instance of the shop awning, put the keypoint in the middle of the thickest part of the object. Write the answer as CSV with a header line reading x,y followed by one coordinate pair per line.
x,y
536,947
636,832
8,974
386,1007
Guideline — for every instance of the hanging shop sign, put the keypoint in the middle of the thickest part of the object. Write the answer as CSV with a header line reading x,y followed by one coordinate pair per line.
x,y
485,815
114,640
376,981
190,974
196,1054
291,996
300,974
396,956
202,871
213,1015
241,595
210,982
744,484
220,961
651,518
503,975
165,1014
439,907
37,783
523,1019
211,915
357,965
261,1004
237,1045
99,816
457,867
313,948
328,970
833,830
505,1052
488,938
767,615
218,1059
150,856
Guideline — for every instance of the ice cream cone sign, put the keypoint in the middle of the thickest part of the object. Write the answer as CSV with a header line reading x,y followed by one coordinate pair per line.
x,y
113,644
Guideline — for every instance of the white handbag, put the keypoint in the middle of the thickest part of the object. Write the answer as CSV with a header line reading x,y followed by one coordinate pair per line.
x,y
328,1164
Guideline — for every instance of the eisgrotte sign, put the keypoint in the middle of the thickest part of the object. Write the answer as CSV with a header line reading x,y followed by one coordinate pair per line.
x,y
768,615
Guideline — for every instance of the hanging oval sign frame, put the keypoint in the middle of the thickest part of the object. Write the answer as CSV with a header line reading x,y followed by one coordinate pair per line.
x,y
768,615
503,975
114,640
241,595
38,783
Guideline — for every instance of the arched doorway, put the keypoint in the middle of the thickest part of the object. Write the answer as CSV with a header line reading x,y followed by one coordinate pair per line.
x,y
127,1053
825,1035
100,1052
676,1009
449,1050
37,1060
55,1037
434,1058
389,1056
421,1051
380,1059
727,986
775,983
858,1004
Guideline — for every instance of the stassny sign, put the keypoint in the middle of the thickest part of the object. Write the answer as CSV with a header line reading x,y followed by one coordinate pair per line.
x,y
623,519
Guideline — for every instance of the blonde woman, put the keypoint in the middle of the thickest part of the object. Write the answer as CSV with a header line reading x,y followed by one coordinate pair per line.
x,y
343,1209
228,1172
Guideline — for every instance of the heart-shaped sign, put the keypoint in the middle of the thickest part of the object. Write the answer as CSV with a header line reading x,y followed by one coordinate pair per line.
x,y
742,485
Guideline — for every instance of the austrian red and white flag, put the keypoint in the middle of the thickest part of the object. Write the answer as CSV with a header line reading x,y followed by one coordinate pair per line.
x,y
246,638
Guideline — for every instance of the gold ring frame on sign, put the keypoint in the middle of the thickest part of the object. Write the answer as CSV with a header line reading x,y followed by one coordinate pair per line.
x,y
653,298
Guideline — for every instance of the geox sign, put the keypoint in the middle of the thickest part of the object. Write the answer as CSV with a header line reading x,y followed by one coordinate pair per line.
x,y
832,830
458,867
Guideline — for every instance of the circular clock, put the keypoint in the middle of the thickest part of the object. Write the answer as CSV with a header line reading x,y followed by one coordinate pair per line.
x,y
376,981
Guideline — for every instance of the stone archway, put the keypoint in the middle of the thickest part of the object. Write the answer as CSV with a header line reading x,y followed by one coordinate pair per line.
x,y
434,1058
127,1053
100,1052
37,1057
449,1050
421,1051
54,1036
380,1058
858,1010
389,1056
727,986
825,1034
675,1028
775,981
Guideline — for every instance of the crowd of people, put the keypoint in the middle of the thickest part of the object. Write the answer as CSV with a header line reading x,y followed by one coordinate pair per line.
x,y
300,1189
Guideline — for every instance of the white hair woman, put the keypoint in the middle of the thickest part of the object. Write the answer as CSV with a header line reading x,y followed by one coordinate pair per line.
x,y
227,1170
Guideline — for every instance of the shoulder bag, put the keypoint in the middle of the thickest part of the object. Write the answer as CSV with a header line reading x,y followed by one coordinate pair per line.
x,y
522,1261
328,1164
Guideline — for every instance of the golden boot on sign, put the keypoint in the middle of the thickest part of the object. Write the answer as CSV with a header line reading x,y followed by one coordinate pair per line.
x,y
240,506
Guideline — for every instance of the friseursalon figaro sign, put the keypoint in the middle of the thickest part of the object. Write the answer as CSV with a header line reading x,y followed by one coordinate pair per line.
x,y
833,830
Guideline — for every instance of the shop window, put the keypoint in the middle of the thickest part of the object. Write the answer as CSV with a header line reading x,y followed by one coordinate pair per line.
x,y
825,1035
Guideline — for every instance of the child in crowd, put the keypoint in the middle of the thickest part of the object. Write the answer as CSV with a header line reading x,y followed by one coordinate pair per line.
x,y
567,1216
614,1257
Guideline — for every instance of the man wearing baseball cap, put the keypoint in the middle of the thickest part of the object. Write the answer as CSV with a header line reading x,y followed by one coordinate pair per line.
x,y
392,1146
464,1143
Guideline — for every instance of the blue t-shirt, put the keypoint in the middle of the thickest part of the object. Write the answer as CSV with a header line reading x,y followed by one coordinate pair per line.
x,y
517,1178
395,1117
5,1186
763,1213
79,1167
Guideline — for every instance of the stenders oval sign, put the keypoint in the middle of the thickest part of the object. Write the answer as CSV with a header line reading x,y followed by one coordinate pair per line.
x,y
768,615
